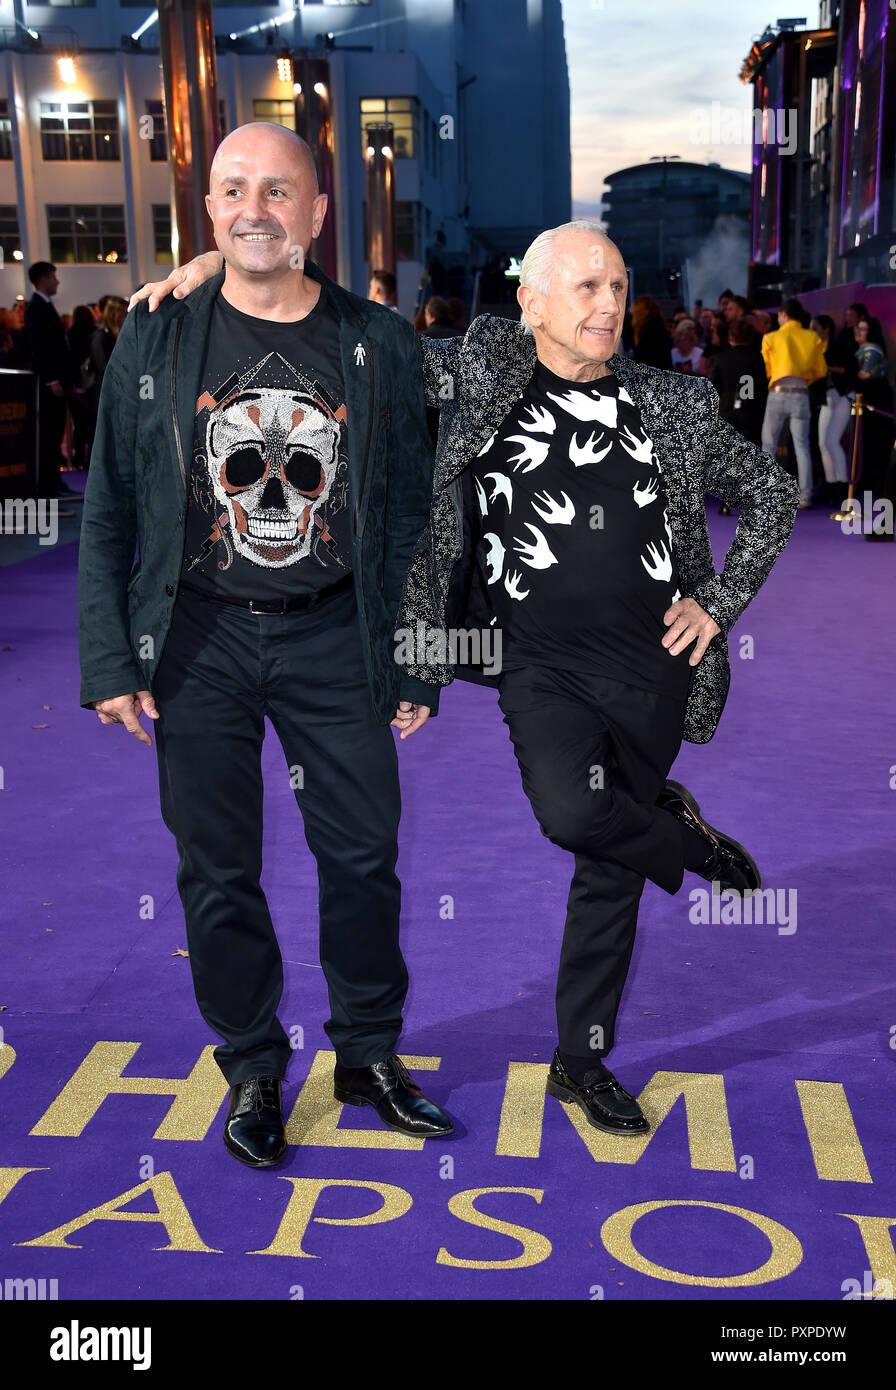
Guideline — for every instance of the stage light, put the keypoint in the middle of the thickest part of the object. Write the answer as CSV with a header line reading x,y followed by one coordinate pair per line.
x,y
67,70
320,88
18,255
370,152
151,19
387,151
297,89
284,69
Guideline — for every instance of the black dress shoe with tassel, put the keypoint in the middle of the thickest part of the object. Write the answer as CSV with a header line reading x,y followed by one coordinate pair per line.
x,y
253,1131
727,862
398,1101
606,1104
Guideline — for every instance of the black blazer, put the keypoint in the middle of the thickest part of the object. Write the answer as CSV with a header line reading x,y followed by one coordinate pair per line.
x,y
47,343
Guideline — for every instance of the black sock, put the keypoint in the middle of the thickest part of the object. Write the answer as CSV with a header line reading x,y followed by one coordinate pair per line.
x,y
694,848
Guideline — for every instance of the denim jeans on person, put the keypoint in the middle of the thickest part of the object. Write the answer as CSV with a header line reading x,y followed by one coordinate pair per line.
x,y
790,407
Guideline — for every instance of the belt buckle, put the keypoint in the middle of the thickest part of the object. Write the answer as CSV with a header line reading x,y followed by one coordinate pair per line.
x,y
264,606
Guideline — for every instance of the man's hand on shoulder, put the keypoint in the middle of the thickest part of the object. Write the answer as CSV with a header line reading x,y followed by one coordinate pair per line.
x,y
181,282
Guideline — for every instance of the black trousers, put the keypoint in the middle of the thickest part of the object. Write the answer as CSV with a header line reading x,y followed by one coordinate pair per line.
x,y
593,754
222,670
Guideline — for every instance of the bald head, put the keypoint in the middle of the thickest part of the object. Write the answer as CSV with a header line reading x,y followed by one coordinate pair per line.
x,y
265,139
264,202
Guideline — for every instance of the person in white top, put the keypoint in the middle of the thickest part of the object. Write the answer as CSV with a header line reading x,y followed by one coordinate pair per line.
x,y
686,355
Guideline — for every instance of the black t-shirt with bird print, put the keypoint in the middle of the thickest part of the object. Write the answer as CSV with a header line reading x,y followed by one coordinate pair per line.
x,y
575,549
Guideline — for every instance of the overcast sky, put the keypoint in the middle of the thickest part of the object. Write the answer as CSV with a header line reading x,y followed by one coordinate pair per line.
x,y
640,69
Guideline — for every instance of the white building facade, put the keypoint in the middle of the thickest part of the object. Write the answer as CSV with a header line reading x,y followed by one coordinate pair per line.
x,y
477,93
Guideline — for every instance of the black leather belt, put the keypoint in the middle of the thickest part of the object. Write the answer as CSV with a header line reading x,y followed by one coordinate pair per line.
x,y
275,605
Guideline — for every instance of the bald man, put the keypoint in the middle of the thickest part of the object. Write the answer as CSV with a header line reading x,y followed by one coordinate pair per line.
x,y
262,445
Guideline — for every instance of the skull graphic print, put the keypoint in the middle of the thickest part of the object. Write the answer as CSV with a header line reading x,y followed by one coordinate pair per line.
x,y
268,515
272,457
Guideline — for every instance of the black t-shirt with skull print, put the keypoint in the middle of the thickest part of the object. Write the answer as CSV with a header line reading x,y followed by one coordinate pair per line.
x,y
575,550
267,513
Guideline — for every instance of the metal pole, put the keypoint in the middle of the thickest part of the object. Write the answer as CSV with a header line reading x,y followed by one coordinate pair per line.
x,y
187,43
848,508
314,122
380,198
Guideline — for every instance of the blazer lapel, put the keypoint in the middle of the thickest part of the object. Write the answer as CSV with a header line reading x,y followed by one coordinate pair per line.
x,y
667,443
186,353
500,380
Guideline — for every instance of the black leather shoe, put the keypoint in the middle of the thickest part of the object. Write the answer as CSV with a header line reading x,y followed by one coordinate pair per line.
x,y
727,862
398,1101
606,1104
253,1131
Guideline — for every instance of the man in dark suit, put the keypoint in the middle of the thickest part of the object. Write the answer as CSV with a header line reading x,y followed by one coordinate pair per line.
x,y
275,480
51,361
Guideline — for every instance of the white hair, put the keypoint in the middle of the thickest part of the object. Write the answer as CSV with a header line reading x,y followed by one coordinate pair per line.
x,y
537,266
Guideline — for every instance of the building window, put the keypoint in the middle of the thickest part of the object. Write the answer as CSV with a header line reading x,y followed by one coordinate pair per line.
x,y
407,232
158,139
5,130
87,233
402,113
161,230
9,234
79,130
280,112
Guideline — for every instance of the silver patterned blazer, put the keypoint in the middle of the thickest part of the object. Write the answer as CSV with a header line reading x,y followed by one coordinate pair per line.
x,y
475,380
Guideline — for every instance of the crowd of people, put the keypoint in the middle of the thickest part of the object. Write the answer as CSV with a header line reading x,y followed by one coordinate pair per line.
x,y
800,373
68,353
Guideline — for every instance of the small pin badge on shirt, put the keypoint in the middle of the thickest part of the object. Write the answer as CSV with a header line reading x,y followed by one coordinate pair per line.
x,y
360,355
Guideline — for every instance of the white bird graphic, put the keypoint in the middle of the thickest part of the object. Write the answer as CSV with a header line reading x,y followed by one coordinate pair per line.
x,y
532,453
644,495
643,448
540,556
487,445
542,421
495,557
512,584
661,568
668,529
676,596
558,513
502,488
600,408
480,493
624,396
588,452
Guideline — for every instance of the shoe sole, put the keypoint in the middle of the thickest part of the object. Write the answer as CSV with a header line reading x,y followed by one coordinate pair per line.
x,y
567,1098
347,1098
691,802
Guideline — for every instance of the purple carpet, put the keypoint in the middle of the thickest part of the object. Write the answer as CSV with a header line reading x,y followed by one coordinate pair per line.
x,y
762,1052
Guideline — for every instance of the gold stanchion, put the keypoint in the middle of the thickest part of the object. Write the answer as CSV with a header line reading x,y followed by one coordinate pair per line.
x,y
848,508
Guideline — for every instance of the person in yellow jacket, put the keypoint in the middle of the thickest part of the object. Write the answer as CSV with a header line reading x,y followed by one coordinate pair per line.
x,y
794,358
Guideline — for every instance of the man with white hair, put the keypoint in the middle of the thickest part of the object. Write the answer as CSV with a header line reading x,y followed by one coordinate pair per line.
x,y
568,512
